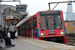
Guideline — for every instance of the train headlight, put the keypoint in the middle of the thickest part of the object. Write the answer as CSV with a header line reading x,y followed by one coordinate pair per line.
x,y
42,34
61,33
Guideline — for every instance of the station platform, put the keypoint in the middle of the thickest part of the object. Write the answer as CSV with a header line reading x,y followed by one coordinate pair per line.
x,y
22,43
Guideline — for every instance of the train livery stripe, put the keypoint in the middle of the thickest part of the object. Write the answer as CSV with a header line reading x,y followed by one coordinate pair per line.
x,y
65,31
63,23
37,35
63,19
37,20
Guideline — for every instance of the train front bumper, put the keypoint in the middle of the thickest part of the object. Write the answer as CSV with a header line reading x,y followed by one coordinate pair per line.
x,y
52,37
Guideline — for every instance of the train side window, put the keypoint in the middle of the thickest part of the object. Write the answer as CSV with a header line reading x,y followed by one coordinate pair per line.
x,y
23,27
59,23
42,22
19,30
31,24
27,25
50,22
35,23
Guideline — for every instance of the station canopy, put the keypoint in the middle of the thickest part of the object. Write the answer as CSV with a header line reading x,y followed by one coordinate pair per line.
x,y
10,14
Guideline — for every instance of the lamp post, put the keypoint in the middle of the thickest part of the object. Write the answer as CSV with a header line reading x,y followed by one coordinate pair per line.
x,y
0,14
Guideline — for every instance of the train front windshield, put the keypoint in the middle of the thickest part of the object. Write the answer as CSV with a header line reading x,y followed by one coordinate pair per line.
x,y
50,20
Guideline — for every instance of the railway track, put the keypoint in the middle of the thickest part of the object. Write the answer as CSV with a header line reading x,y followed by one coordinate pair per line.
x,y
71,41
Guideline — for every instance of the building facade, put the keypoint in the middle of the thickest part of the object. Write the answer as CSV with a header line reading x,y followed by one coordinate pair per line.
x,y
70,26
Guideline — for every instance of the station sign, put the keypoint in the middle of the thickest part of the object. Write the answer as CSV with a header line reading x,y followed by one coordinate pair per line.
x,y
9,17
11,20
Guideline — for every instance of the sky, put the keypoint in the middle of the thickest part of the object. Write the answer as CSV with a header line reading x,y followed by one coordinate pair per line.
x,y
39,5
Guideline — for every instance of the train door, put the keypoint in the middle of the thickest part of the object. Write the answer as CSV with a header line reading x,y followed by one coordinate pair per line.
x,y
27,28
19,31
30,24
23,30
34,27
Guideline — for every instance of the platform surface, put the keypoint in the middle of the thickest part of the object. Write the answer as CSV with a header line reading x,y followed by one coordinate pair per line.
x,y
23,43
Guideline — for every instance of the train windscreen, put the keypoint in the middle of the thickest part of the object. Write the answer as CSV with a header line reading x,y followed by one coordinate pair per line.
x,y
50,20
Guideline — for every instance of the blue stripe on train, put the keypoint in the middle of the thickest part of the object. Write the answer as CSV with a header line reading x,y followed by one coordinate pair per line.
x,y
65,31
37,33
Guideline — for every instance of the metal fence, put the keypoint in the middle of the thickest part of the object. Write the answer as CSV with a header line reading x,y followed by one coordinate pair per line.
x,y
70,35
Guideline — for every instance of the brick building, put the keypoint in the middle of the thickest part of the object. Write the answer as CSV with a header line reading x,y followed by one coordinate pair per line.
x,y
70,26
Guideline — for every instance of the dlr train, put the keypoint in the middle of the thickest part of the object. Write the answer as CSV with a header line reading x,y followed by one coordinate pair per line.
x,y
44,25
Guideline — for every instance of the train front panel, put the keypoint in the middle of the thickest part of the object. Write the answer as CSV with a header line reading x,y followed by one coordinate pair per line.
x,y
50,26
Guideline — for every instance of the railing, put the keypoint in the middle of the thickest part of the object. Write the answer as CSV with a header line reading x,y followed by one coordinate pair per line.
x,y
71,35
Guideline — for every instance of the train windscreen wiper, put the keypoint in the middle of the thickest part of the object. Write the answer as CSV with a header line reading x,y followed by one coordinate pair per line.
x,y
60,25
54,24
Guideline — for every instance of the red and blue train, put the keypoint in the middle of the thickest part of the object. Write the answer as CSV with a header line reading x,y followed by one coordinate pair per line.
x,y
44,25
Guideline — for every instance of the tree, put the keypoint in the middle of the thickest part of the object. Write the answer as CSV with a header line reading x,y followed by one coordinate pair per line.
x,y
66,19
